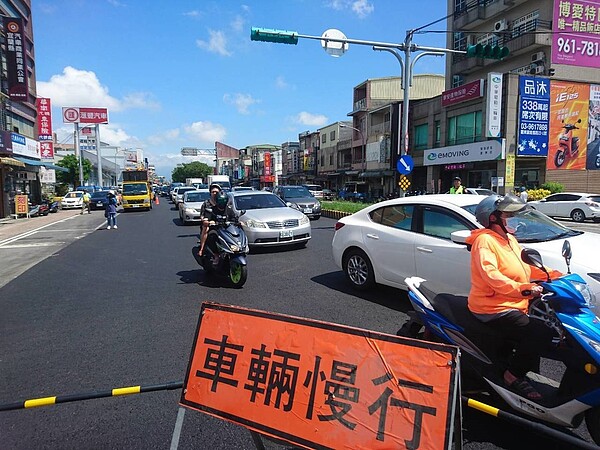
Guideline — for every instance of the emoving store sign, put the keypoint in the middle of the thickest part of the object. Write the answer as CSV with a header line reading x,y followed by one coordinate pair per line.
x,y
476,151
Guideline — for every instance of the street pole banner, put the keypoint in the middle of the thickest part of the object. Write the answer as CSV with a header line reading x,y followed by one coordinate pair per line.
x,y
16,66
493,104
321,385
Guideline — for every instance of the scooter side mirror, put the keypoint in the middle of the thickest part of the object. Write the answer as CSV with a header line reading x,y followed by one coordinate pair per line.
x,y
533,258
567,253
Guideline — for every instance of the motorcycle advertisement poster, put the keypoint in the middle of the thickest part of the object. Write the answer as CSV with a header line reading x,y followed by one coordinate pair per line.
x,y
569,108
593,145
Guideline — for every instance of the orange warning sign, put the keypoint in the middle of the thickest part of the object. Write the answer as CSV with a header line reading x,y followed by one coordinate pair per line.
x,y
318,384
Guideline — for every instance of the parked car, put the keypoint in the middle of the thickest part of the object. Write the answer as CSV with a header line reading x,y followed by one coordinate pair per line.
x,y
411,236
268,221
301,199
354,191
315,189
99,200
328,194
73,199
189,208
477,191
577,206
164,191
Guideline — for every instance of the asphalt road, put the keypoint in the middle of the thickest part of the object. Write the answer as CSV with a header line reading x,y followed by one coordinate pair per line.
x,y
119,308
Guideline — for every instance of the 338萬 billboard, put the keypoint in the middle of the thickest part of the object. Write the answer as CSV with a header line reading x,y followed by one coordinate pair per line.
x,y
576,33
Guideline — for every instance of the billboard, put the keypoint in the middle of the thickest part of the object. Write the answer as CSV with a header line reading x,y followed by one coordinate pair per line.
x,y
575,38
534,116
569,109
593,144
16,67
44,121
85,115
493,104
464,93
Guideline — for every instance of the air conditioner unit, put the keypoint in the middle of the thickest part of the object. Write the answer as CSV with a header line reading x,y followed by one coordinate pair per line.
x,y
538,56
501,25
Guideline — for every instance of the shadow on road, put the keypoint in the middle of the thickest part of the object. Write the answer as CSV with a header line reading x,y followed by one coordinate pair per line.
x,y
198,276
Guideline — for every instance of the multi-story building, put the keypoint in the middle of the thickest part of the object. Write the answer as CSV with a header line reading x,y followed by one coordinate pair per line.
x,y
336,143
499,123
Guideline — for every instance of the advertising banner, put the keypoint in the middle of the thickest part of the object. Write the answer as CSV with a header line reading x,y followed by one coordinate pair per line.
x,y
24,146
44,121
16,67
475,151
321,385
534,116
5,142
576,37
493,104
464,93
267,164
85,115
569,109
593,146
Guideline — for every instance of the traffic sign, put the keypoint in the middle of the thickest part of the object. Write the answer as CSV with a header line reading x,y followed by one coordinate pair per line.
x,y
405,164
404,183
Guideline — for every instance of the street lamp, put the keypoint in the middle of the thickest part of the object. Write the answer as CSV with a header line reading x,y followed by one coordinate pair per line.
x,y
364,144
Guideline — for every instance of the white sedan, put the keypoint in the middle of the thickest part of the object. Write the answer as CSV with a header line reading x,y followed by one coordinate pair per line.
x,y
411,236
577,206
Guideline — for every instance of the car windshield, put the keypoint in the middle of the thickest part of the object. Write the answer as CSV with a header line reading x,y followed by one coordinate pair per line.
x,y
73,195
135,189
532,226
248,202
296,192
313,187
182,191
196,197
99,194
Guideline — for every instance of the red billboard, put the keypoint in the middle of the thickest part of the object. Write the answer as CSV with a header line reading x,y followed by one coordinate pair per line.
x,y
85,115
16,67
267,170
44,122
464,93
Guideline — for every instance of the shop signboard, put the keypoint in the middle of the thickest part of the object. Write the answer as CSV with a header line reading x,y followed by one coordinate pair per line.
x,y
25,146
534,116
464,93
475,151
85,115
575,33
493,104
16,65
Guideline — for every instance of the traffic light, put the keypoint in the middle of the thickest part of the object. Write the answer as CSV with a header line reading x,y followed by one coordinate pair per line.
x,y
277,36
487,51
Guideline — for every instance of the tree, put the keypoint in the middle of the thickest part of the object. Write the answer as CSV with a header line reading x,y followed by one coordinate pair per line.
x,y
71,177
194,169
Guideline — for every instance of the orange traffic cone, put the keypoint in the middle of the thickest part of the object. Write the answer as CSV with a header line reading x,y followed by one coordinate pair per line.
x,y
156,200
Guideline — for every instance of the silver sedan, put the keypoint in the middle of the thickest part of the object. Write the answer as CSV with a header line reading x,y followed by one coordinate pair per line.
x,y
268,221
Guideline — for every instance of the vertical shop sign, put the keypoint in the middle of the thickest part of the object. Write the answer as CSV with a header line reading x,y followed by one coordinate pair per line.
x,y
267,168
534,116
44,120
16,67
569,108
593,144
493,104
576,33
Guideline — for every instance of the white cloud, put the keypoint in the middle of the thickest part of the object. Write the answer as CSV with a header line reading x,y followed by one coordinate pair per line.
x,y
314,120
238,23
362,8
167,136
206,132
116,3
280,83
216,44
193,13
76,87
112,134
241,101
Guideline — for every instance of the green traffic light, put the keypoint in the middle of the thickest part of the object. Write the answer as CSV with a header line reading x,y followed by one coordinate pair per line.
x,y
487,51
270,35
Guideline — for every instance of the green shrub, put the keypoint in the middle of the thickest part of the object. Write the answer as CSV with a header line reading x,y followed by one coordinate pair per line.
x,y
553,187
537,194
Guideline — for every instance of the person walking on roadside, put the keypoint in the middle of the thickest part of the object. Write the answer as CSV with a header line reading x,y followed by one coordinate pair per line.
x,y
110,211
457,187
523,194
85,204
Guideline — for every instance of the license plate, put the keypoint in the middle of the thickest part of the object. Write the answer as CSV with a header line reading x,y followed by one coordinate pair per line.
x,y
136,206
307,210
286,234
99,204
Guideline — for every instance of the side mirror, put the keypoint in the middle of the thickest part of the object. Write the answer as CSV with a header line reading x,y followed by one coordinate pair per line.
x,y
567,253
460,236
533,258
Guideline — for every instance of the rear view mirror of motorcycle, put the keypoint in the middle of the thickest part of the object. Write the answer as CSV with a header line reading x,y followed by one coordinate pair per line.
x,y
567,253
533,258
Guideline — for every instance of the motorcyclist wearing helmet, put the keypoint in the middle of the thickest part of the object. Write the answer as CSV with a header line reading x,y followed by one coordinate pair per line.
x,y
501,289
215,206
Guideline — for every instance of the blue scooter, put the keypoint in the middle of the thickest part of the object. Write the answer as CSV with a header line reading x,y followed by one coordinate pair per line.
x,y
566,306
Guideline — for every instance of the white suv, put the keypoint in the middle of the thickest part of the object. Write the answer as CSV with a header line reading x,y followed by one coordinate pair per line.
x,y
577,206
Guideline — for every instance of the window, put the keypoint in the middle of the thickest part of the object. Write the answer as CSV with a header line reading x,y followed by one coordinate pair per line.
x,y
460,6
331,162
323,138
332,136
441,224
465,128
460,41
421,135
437,134
399,216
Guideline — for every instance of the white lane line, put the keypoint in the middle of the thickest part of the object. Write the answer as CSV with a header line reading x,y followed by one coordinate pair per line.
x,y
40,244
29,233
177,430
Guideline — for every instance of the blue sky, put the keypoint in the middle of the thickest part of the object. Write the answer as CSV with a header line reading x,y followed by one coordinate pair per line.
x,y
185,73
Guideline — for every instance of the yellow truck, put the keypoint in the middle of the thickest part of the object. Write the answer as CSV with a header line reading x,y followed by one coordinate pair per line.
x,y
137,191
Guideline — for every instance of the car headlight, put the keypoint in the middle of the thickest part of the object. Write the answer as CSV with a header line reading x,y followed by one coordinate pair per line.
x,y
295,206
255,224
190,211
317,206
304,220
586,292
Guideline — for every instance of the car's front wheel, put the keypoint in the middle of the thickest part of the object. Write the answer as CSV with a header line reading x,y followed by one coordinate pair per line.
x,y
358,269
578,215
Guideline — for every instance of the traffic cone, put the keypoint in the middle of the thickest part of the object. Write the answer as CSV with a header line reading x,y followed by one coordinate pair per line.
x,y
156,200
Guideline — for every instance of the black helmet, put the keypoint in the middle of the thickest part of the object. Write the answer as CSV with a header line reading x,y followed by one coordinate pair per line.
x,y
456,179
221,200
214,186
494,204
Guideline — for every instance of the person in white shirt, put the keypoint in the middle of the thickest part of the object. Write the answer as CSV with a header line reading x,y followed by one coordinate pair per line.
x,y
524,195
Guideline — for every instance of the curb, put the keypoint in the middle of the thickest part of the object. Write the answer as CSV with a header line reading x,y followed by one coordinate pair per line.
x,y
334,214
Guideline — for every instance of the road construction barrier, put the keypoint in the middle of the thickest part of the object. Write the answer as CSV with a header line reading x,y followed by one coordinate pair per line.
x,y
534,426
129,390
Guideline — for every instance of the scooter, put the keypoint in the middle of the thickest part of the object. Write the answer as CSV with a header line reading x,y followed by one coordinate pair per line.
x,y
565,307
53,207
568,145
229,243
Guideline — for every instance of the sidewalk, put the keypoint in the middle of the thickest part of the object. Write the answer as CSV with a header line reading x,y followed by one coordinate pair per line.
x,y
10,227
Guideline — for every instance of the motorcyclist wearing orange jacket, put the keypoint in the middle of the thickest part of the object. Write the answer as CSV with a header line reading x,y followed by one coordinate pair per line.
x,y
501,289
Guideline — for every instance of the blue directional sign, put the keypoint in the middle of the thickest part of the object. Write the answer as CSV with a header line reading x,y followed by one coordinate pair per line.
x,y
405,165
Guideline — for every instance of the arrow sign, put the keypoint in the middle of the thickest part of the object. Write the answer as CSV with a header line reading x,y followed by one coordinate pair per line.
x,y
405,165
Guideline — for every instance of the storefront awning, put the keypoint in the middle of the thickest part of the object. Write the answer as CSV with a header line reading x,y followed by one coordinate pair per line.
x,y
36,162
11,162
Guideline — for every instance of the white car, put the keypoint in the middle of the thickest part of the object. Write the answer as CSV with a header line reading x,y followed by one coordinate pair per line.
x,y
268,221
577,206
73,199
189,208
411,236
178,194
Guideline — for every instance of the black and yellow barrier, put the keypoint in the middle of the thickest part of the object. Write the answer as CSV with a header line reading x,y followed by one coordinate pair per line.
x,y
535,426
129,390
